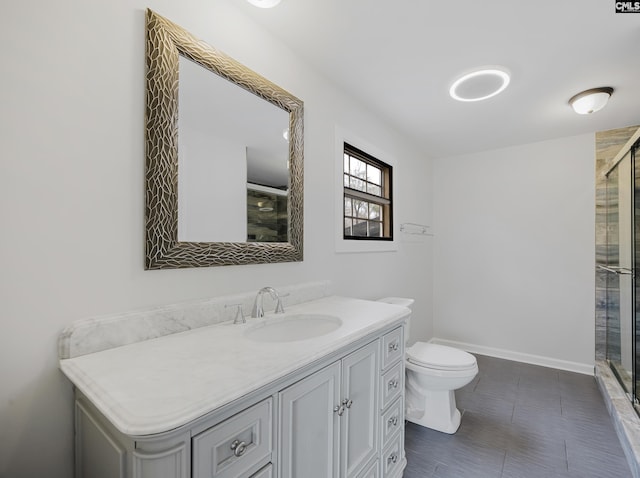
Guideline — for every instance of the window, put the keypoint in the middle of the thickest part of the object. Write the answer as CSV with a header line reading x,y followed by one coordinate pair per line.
x,y
367,196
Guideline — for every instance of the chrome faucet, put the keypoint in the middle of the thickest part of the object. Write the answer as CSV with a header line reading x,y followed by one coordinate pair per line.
x,y
258,310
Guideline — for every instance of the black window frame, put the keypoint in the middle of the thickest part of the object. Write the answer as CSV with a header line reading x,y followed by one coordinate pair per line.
x,y
385,200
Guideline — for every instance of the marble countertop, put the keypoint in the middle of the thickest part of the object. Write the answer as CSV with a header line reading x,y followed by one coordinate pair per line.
x,y
160,384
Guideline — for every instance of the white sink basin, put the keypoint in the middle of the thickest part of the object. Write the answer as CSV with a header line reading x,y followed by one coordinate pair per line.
x,y
293,327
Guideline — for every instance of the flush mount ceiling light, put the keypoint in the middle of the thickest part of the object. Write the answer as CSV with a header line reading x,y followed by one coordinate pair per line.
x,y
264,3
590,101
480,84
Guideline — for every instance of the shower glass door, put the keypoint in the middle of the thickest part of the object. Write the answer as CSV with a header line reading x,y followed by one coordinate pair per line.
x,y
621,306
636,269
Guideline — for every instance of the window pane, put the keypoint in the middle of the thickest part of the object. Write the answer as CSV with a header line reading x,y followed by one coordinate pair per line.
x,y
373,189
347,181
360,208
374,175
359,228
348,227
358,184
374,229
374,212
347,207
346,163
358,168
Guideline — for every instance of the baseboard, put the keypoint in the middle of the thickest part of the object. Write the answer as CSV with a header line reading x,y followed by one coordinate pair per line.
x,y
586,369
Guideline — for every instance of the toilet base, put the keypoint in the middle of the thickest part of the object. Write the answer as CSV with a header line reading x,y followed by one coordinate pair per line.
x,y
439,412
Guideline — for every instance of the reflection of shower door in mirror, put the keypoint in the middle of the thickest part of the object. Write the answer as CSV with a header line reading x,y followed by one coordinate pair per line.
x,y
620,265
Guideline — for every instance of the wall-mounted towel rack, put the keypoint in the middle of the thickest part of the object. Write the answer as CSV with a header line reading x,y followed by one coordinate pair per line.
x,y
413,228
617,270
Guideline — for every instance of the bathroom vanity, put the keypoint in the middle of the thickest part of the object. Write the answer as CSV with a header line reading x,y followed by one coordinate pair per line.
x,y
317,391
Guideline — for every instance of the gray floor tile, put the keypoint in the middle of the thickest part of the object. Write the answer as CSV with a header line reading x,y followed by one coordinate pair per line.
x,y
497,387
585,461
521,421
491,409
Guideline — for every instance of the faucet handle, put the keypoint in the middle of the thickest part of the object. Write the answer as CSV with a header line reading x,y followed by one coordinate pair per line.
x,y
279,305
239,318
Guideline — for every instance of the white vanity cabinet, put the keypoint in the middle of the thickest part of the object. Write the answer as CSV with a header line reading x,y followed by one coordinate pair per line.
x,y
101,451
392,404
338,414
329,420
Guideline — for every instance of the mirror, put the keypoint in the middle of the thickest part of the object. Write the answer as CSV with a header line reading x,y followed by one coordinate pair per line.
x,y
262,179
249,142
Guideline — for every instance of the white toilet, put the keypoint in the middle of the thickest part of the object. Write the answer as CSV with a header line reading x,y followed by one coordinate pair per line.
x,y
433,373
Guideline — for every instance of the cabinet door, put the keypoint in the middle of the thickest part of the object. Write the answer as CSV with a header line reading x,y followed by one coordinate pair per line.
x,y
359,424
309,427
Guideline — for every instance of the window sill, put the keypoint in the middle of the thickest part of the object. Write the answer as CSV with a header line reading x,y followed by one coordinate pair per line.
x,y
351,246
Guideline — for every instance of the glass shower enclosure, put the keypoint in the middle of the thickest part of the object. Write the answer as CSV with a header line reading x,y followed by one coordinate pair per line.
x,y
622,285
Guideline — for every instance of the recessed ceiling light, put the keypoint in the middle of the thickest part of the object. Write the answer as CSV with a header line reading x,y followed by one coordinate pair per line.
x,y
590,101
264,3
480,84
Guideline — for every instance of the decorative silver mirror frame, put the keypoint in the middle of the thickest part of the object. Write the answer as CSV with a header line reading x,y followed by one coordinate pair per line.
x,y
165,42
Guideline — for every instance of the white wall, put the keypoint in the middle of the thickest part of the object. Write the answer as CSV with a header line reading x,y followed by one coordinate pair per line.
x,y
72,197
514,250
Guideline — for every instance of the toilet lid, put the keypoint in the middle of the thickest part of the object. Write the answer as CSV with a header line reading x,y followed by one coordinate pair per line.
x,y
440,357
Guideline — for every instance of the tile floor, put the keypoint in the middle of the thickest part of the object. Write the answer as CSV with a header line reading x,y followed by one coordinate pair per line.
x,y
521,421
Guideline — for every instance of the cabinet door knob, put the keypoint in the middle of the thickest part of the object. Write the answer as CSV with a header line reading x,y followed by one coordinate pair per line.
x,y
393,384
238,447
393,347
339,409
393,421
393,458
347,403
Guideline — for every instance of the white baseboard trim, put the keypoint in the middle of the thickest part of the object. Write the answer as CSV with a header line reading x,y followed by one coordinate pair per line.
x,y
586,369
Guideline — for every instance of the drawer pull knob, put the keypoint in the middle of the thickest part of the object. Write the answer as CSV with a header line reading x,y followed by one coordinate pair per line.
x,y
347,403
393,347
393,458
393,421
238,447
393,384
339,409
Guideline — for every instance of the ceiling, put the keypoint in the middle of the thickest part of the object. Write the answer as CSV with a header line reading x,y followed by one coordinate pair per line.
x,y
399,57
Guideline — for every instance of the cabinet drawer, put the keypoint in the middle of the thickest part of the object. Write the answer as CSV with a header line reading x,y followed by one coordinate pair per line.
x,y
392,421
266,472
392,458
236,447
392,347
392,384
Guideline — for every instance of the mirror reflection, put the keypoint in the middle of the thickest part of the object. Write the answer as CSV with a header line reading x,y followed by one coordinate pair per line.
x,y
233,154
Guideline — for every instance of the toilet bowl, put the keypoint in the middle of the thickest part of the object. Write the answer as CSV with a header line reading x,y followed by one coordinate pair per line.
x,y
433,373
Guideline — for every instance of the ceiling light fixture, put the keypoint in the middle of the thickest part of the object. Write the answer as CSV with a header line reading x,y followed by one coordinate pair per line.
x,y
590,101
480,84
264,3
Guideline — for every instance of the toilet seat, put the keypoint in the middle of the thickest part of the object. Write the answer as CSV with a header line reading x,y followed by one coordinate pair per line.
x,y
440,357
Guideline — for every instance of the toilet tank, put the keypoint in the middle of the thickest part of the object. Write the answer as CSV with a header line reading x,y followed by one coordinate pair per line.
x,y
404,302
